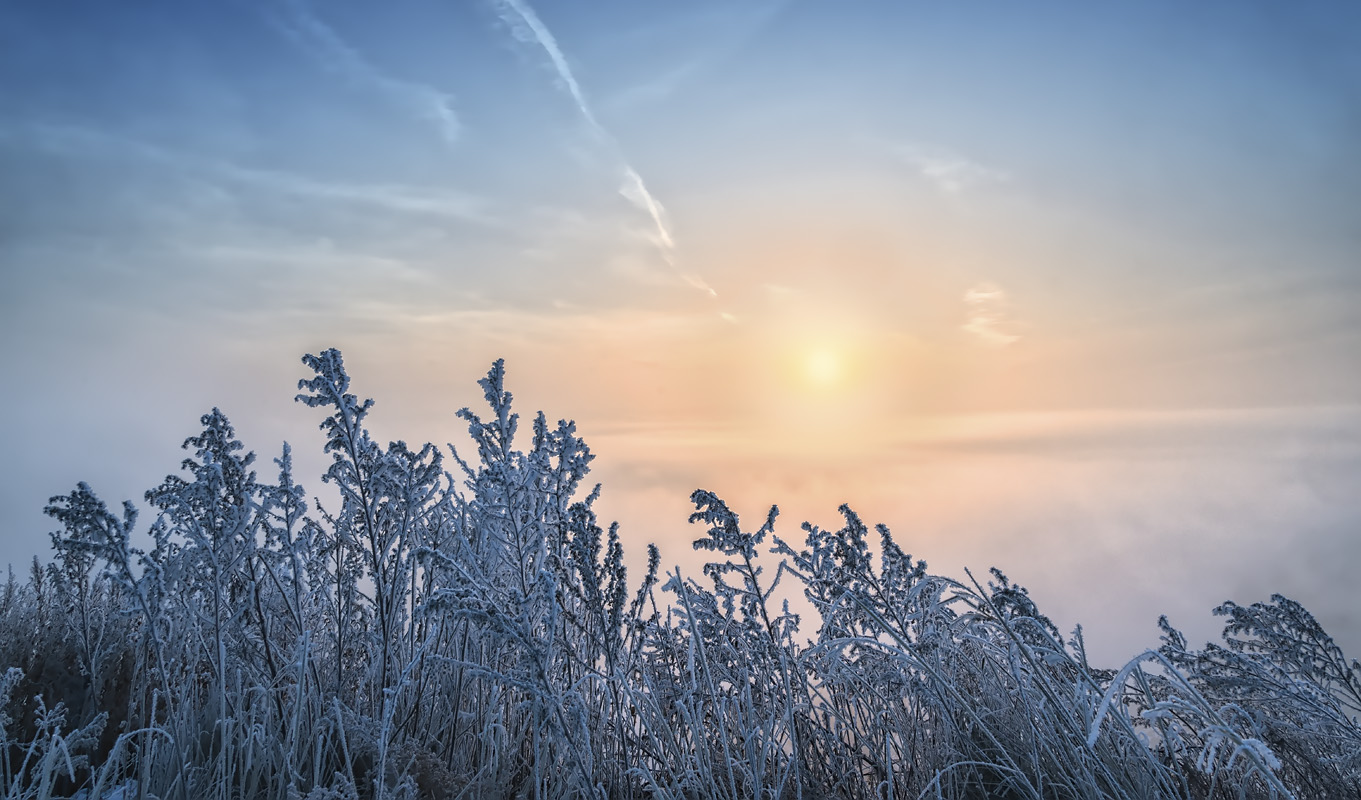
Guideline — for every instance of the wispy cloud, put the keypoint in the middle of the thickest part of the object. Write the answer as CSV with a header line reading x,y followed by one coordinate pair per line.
x,y
699,283
391,198
712,35
950,172
394,198
660,86
526,27
988,315
335,54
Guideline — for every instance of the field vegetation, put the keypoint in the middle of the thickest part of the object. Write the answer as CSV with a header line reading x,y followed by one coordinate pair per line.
x,y
465,628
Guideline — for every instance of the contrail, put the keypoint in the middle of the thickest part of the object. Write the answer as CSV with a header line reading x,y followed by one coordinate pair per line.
x,y
526,26
635,190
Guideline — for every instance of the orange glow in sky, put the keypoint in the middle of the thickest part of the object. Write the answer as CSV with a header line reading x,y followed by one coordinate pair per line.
x,y
1069,290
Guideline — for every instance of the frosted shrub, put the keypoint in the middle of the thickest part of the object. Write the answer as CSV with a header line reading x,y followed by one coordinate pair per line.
x,y
474,634
1288,695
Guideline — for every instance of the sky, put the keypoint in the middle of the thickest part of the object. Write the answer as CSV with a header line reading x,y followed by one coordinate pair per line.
x,y
1070,289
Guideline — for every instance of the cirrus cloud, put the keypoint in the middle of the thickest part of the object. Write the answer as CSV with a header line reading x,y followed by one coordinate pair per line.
x,y
988,315
947,170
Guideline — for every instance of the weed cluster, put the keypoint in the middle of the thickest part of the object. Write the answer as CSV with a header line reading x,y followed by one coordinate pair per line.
x,y
433,637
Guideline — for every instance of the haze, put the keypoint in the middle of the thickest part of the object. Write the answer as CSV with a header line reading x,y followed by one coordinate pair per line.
x,y
1068,289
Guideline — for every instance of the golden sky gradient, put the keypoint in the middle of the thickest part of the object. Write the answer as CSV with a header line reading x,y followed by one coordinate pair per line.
x,y
1068,290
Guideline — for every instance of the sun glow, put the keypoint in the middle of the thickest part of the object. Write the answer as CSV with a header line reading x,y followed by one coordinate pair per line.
x,y
822,366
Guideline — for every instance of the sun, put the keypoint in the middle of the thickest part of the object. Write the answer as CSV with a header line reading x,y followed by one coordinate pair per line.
x,y
822,366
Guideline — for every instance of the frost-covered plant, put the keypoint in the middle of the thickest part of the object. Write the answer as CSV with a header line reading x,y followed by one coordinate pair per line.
x,y
1285,684
434,637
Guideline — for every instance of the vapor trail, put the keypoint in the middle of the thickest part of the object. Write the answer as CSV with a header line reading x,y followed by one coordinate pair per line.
x,y
526,26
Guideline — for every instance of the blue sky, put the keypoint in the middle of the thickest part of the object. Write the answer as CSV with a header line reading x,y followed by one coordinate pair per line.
x,y
1067,288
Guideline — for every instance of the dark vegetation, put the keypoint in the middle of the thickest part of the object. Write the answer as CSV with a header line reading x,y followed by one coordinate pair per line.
x,y
475,636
